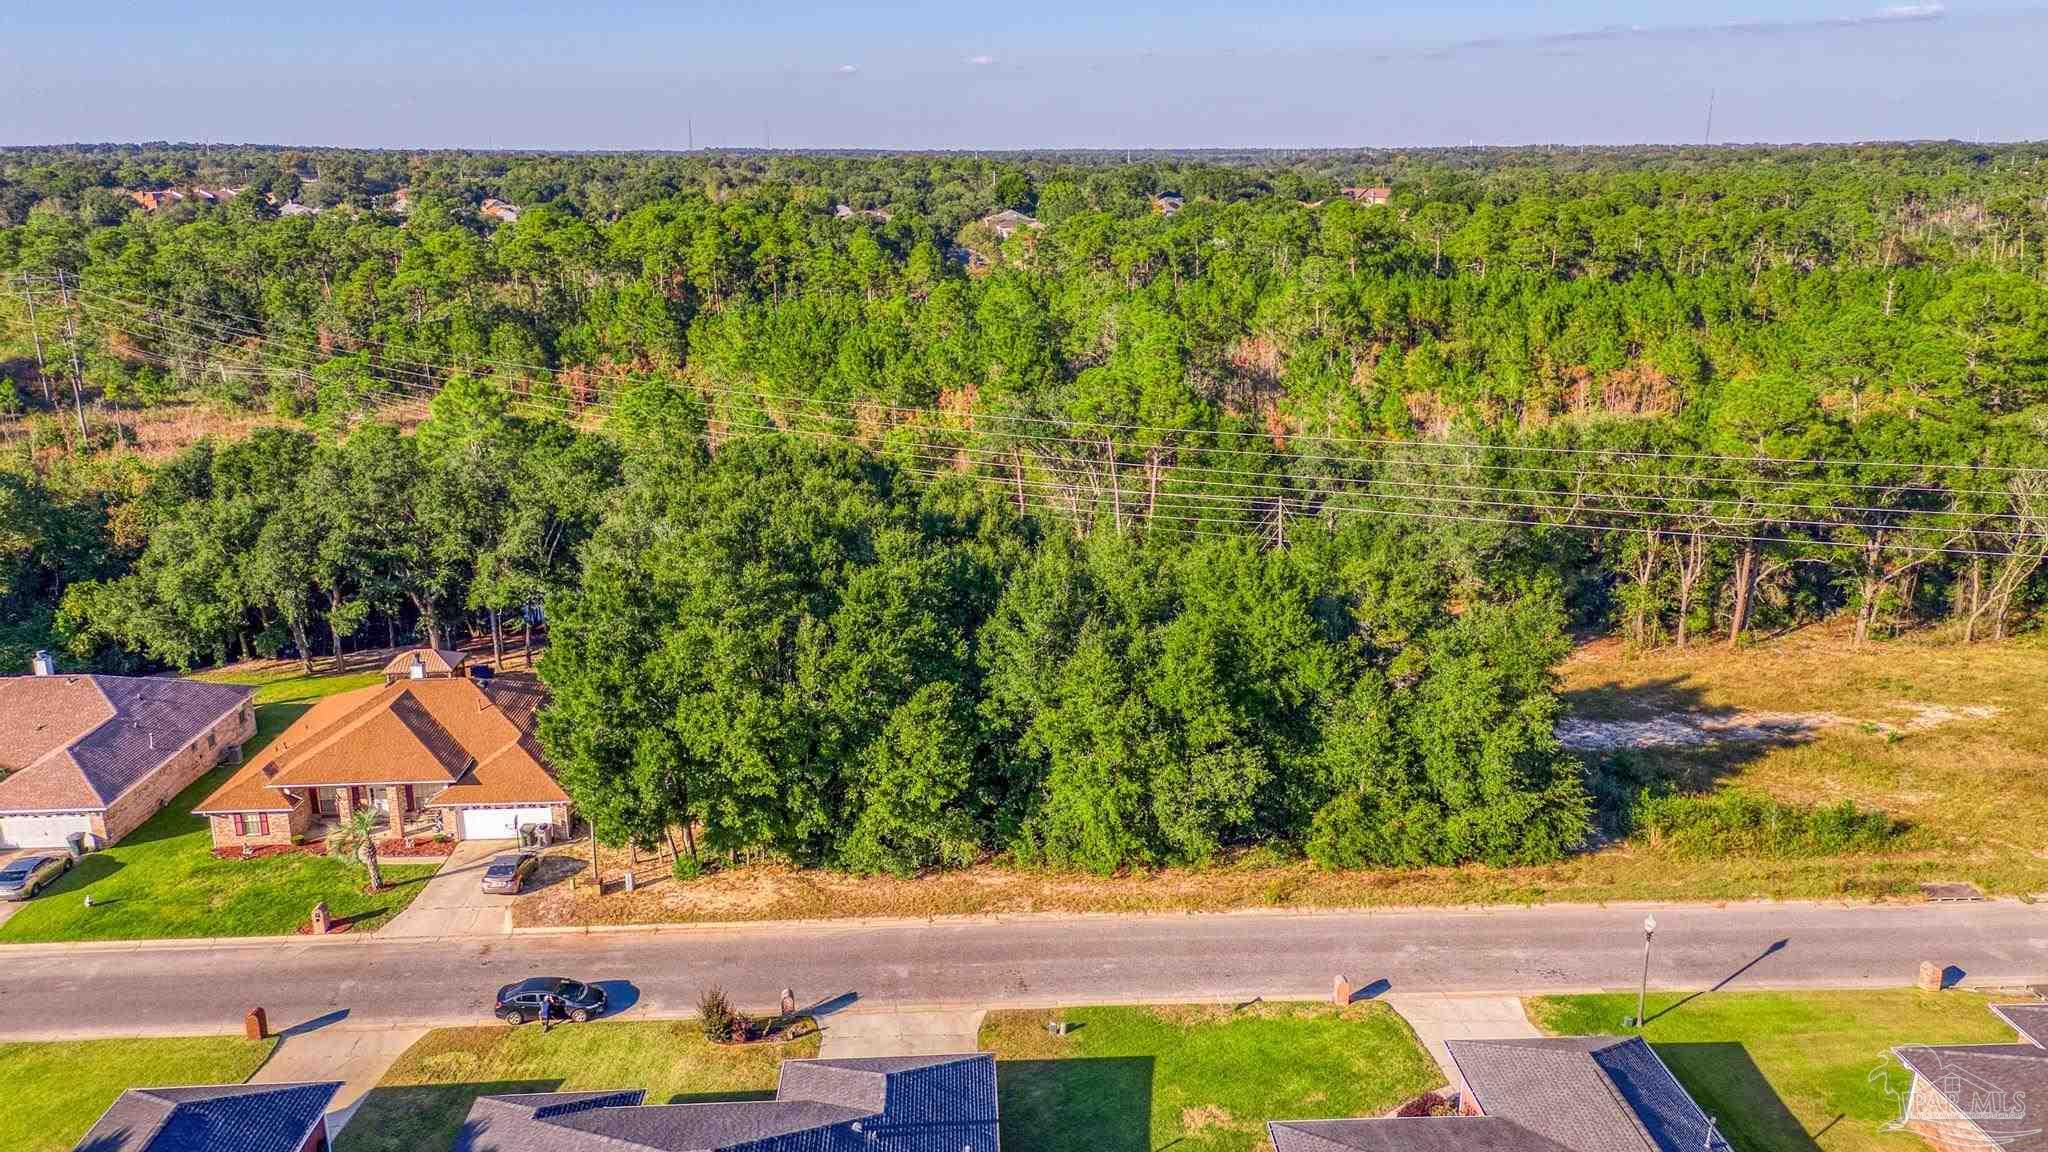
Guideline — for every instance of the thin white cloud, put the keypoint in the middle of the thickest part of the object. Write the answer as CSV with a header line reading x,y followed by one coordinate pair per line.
x,y
847,69
1911,12
981,60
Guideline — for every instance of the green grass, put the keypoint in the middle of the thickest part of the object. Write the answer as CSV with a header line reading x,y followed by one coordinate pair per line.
x,y
1197,1079
424,1096
163,881
56,1090
1791,1071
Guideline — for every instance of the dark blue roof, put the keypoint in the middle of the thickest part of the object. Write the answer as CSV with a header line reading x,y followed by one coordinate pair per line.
x,y
213,1118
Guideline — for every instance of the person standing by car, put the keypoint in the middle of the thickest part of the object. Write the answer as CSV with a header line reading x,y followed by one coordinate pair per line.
x,y
547,1014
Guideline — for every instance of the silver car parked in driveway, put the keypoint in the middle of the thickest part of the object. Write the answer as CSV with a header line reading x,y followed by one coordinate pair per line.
x,y
24,876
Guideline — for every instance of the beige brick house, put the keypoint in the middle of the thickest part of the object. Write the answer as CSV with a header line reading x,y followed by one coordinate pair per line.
x,y
430,753
95,756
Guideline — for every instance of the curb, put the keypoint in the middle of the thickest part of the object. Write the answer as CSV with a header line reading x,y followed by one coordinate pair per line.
x,y
871,923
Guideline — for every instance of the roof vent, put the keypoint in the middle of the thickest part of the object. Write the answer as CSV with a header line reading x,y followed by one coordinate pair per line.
x,y
418,670
43,664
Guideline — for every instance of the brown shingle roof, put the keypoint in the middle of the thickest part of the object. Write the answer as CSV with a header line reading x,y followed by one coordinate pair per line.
x,y
439,661
77,743
450,731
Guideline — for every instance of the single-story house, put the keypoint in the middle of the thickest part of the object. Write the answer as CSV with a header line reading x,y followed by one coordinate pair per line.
x,y
429,754
1556,1094
215,1118
1972,1097
1008,221
910,1102
1376,195
95,756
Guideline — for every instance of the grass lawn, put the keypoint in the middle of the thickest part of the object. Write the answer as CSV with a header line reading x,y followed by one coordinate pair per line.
x,y
163,881
1197,1079
55,1091
422,1099
1791,1071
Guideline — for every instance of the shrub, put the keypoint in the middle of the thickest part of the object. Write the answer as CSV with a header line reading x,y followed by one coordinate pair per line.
x,y
1736,822
721,1024
687,868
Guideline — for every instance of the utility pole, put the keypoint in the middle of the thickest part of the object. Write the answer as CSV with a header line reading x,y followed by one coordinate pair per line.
x,y
71,333
1116,492
28,289
1710,117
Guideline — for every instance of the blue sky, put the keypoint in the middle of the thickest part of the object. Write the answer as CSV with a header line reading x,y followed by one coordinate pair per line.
x,y
1047,73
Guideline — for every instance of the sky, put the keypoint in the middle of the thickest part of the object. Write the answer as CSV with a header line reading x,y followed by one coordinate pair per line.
x,y
613,74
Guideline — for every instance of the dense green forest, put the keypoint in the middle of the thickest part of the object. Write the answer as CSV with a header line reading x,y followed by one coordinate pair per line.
x,y
1210,505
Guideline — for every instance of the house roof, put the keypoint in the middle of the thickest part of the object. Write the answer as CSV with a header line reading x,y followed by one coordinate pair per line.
x,y
214,1118
439,661
77,743
474,739
1589,1093
2029,1020
1408,1134
817,1105
2000,1089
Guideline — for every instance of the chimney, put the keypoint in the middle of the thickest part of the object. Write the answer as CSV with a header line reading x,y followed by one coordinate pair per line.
x,y
418,671
43,664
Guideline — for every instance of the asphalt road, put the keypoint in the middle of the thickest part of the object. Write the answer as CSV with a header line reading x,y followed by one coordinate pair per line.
x,y
170,989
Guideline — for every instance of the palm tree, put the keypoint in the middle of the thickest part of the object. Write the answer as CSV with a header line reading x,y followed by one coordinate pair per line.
x,y
357,836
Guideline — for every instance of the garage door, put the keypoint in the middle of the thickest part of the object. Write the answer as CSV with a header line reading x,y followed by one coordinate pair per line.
x,y
499,823
40,831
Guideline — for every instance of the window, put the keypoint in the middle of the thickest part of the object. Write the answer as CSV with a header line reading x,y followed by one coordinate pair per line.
x,y
241,824
263,823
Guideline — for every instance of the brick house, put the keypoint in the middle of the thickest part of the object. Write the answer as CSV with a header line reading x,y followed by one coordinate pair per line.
x,y
1576,1093
215,1118
98,755
1972,1097
911,1103
431,754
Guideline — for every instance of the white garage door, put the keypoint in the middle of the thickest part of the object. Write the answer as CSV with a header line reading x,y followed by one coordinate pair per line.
x,y
40,831
499,823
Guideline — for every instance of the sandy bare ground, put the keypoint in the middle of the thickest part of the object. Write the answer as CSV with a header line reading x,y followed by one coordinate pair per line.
x,y
1700,729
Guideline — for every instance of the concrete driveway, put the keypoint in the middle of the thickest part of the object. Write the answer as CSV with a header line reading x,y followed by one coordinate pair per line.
x,y
454,903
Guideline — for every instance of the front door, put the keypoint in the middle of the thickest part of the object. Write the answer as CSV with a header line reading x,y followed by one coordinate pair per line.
x,y
325,801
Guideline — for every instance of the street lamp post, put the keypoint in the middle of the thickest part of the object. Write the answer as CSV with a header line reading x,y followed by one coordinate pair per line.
x,y
1643,990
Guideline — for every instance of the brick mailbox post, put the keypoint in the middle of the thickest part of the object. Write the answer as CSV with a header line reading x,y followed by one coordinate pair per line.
x,y
256,1026
322,922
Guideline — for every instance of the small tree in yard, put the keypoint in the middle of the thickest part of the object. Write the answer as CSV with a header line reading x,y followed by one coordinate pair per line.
x,y
721,1023
357,837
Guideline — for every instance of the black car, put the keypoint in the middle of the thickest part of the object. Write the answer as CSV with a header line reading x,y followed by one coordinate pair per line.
x,y
508,873
24,876
568,1000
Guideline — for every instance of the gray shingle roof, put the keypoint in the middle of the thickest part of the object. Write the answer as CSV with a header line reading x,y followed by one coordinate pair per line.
x,y
1589,1093
2001,1088
2029,1020
1408,1134
213,1118
820,1106
136,724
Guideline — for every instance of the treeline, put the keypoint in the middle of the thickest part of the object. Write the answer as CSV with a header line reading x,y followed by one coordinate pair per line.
x,y
803,650
282,541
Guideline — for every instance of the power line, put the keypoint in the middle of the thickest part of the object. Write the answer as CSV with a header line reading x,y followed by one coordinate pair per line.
x,y
1390,442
